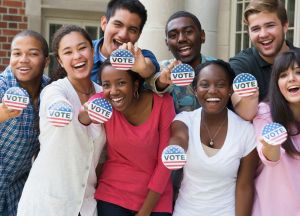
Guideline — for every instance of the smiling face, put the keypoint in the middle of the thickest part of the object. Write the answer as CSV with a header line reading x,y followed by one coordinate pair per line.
x,y
122,27
27,60
184,40
75,55
289,84
118,88
213,89
267,34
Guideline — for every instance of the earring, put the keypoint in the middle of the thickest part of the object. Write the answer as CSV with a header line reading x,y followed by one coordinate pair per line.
x,y
136,95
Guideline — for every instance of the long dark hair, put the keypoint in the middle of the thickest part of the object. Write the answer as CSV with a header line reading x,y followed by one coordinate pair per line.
x,y
280,110
60,72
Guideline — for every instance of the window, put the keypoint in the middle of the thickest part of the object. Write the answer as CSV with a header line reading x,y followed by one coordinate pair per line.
x,y
240,39
52,25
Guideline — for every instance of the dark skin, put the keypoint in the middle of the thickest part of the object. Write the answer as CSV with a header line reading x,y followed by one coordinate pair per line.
x,y
184,40
213,91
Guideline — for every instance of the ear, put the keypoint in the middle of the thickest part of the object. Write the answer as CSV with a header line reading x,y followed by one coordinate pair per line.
x,y
47,61
60,62
136,85
103,23
202,36
285,27
166,41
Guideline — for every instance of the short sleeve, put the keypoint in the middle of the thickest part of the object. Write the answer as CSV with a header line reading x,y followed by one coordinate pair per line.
x,y
151,56
250,141
183,117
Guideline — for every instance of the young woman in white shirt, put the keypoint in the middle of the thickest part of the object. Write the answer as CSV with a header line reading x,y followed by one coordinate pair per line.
x,y
62,180
218,177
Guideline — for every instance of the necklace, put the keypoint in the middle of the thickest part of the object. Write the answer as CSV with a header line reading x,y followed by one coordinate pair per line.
x,y
91,90
211,143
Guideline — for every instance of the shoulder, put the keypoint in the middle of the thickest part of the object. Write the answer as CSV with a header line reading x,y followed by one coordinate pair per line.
x,y
96,42
206,58
238,121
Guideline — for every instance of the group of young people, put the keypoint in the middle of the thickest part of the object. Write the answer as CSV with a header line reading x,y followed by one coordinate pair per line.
x,y
115,168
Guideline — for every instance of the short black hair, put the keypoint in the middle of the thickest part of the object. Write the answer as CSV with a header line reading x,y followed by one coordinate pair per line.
x,y
37,36
179,14
133,6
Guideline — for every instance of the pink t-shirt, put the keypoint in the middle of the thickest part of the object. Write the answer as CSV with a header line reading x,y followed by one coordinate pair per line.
x,y
277,185
134,159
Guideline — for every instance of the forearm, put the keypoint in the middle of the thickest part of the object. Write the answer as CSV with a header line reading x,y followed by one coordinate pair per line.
x,y
148,70
244,200
245,107
149,203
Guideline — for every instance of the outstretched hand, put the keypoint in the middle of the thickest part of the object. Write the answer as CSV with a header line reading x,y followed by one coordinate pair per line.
x,y
6,113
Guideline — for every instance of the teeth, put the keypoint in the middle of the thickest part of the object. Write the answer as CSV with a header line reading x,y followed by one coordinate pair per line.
x,y
119,42
116,99
24,68
293,87
184,48
79,64
213,99
266,42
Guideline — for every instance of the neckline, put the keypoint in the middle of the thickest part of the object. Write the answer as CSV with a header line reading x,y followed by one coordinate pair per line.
x,y
225,144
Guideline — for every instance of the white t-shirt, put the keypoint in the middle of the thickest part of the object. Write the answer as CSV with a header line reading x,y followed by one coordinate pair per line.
x,y
62,180
208,185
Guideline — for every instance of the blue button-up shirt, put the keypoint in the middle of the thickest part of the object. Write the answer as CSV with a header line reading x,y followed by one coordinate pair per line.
x,y
99,58
18,144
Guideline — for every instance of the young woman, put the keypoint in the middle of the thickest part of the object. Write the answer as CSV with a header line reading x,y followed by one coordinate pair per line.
x,y
221,157
133,180
277,185
62,180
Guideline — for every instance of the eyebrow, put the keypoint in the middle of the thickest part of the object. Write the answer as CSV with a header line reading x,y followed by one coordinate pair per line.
x,y
81,43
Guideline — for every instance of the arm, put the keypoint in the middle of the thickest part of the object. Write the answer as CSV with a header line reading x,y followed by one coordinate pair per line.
x,y
179,134
245,107
161,175
245,184
270,155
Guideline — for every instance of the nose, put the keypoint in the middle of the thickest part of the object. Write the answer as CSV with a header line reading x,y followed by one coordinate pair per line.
x,y
77,54
181,37
263,32
123,34
212,89
24,58
291,77
114,90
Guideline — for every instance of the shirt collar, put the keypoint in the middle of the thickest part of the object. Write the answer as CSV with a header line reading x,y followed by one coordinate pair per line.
x,y
98,57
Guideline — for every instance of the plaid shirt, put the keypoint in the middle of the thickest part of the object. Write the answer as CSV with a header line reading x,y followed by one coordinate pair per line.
x,y
18,144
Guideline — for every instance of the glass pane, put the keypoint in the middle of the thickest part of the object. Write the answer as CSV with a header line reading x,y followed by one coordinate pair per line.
x,y
93,31
238,42
291,12
245,41
290,35
52,29
239,20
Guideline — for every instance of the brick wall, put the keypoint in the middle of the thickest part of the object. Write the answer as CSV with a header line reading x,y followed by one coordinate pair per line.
x,y
12,21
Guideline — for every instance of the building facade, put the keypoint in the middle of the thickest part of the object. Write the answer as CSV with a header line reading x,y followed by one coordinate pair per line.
x,y
221,20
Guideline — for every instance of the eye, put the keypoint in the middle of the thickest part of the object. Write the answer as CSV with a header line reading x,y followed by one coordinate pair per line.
x,y
220,85
133,31
105,85
82,48
122,83
15,54
34,54
172,35
67,53
255,29
203,85
282,75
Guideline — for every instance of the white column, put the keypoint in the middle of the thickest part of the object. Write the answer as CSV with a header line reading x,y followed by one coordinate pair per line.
x,y
207,12
33,10
153,36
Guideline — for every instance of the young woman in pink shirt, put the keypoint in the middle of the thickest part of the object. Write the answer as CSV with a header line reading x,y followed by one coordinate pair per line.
x,y
277,186
134,180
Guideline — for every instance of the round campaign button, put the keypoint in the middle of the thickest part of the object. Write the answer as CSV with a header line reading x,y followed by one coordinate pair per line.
x,y
16,98
245,84
122,59
182,75
100,110
274,133
60,114
173,157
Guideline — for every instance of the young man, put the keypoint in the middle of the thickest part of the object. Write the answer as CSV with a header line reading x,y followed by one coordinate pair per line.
x,y
20,129
267,25
184,37
122,26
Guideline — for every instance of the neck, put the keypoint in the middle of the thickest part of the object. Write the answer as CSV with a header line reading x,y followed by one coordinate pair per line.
x,y
196,62
32,87
83,86
214,118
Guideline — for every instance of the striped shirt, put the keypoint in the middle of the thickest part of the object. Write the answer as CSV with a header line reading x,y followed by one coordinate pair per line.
x,y
18,144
